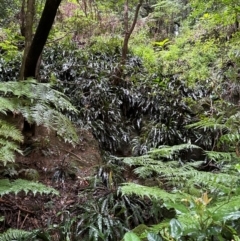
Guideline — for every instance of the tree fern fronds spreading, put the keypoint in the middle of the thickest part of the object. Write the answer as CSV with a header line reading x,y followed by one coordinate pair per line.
x,y
39,92
51,118
54,97
7,150
184,177
140,160
19,185
10,137
19,89
7,153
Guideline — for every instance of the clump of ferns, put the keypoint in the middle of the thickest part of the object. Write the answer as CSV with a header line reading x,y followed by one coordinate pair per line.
x,y
37,103
187,177
107,214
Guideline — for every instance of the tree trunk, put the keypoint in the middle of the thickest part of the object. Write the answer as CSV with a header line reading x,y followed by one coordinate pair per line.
x,y
128,31
28,32
116,76
40,37
22,19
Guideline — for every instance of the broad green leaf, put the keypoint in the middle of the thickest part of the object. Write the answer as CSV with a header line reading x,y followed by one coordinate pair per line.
x,y
176,228
232,216
130,236
153,237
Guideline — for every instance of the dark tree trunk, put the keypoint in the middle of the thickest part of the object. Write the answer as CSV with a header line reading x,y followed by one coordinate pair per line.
x,y
22,18
28,32
40,37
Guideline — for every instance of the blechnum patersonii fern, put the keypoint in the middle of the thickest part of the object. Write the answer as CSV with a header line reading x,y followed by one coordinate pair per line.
x,y
205,202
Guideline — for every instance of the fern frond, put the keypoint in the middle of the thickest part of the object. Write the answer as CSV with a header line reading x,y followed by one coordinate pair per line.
x,y
39,103
10,131
184,177
208,123
221,156
19,185
230,138
54,97
6,105
10,137
168,151
151,192
14,234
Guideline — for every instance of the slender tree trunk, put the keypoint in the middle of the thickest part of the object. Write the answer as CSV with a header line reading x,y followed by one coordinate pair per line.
x,y
116,76
29,66
22,18
128,31
28,32
40,37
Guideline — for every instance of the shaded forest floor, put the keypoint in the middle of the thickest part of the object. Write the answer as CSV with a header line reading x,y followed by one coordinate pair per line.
x,y
47,159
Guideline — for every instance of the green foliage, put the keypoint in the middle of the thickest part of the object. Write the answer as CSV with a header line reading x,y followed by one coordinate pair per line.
x,y
15,234
19,185
40,104
37,103
9,68
10,136
19,234
141,46
130,236
179,187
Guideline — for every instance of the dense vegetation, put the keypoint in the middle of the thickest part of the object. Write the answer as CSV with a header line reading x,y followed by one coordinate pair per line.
x,y
166,117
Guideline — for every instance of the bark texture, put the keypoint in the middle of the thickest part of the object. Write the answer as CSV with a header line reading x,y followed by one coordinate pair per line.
x,y
28,32
128,31
40,37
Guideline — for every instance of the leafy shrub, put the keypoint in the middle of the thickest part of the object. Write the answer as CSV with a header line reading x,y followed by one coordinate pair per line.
x,y
150,109
9,69
206,202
